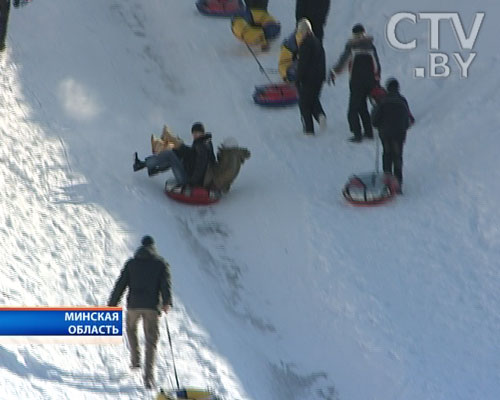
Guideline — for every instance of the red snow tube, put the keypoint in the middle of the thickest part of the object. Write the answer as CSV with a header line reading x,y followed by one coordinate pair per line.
x,y
370,189
276,95
219,8
191,195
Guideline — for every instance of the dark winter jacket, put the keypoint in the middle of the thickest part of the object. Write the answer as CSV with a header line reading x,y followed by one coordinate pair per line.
x,y
361,57
260,4
197,158
147,276
311,69
392,116
316,11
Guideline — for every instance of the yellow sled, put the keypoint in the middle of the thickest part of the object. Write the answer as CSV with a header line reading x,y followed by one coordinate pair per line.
x,y
186,394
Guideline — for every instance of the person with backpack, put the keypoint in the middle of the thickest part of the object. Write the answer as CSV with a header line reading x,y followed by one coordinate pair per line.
x,y
147,277
189,163
360,55
311,73
316,12
392,117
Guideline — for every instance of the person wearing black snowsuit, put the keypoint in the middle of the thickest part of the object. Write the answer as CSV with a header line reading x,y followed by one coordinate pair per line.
x,y
258,4
147,277
189,163
311,73
316,11
361,56
392,117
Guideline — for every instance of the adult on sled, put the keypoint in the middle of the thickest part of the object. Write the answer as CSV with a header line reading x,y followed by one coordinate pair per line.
x,y
147,277
316,11
189,163
392,117
311,73
361,56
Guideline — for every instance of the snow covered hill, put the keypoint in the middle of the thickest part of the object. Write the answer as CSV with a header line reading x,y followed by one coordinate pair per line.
x,y
282,291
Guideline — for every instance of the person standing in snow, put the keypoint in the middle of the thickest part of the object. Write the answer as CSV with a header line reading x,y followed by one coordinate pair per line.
x,y
311,73
316,12
361,56
392,117
147,277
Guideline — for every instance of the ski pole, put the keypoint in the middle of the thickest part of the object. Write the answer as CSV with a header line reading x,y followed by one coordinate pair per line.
x,y
258,62
376,155
172,352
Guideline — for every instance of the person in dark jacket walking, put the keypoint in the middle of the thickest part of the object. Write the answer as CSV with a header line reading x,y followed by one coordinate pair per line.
x,y
147,277
392,117
361,56
311,73
189,163
316,11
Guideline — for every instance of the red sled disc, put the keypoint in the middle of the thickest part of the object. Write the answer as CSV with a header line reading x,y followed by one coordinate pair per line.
x,y
370,189
191,194
276,95
219,8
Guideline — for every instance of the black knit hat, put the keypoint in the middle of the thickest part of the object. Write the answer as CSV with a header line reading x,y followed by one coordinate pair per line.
x,y
197,127
147,241
392,85
358,28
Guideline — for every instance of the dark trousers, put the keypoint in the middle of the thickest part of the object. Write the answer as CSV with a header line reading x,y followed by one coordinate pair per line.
x,y
358,109
392,157
309,105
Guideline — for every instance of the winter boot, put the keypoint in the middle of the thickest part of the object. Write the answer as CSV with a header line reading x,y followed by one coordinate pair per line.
x,y
149,382
138,164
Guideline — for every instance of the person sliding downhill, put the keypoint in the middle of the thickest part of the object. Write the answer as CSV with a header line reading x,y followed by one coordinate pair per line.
x,y
189,163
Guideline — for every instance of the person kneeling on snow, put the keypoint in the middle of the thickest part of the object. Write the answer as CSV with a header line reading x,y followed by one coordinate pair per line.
x,y
189,163
230,157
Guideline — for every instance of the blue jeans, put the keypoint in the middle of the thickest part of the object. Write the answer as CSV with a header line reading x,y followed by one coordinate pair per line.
x,y
165,160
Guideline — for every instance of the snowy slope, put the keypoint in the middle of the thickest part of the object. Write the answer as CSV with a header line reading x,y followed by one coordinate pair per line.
x,y
281,290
